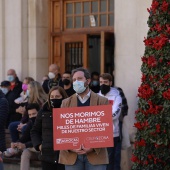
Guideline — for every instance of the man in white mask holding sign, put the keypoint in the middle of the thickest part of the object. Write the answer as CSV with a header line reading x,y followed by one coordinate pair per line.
x,y
83,158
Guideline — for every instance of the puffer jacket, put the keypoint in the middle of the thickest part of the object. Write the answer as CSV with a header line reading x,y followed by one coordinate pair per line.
x,y
42,133
4,109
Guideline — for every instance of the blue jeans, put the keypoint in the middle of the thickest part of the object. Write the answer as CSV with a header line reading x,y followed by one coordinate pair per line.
x,y
1,166
114,155
82,163
14,132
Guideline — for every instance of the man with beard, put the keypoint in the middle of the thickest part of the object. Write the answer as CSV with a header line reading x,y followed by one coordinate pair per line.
x,y
67,83
83,158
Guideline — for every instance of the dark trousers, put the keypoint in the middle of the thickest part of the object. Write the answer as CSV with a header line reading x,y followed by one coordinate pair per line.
x,y
114,155
52,166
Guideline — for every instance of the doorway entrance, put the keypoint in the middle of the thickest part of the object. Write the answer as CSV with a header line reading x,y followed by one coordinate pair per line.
x,y
94,52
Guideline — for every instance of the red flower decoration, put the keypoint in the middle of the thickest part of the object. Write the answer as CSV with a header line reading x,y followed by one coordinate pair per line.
x,y
154,6
166,94
151,61
145,91
164,6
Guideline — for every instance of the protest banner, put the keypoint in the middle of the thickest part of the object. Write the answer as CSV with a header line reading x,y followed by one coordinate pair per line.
x,y
91,126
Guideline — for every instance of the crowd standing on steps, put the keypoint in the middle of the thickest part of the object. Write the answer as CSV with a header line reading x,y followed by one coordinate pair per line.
x,y
26,110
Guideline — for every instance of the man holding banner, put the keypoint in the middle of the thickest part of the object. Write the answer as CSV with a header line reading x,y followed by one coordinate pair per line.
x,y
83,158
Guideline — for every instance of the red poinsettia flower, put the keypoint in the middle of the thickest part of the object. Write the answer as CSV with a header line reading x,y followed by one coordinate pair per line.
x,y
166,94
142,142
148,41
154,6
159,42
168,28
158,27
158,127
134,158
143,79
164,6
151,61
145,91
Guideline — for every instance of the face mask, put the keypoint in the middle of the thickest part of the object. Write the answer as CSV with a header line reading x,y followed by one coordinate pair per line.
x,y
10,78
24,87
95,82
4,90
51,75
28,93
32,119
104,89
55,103
66,82
78,86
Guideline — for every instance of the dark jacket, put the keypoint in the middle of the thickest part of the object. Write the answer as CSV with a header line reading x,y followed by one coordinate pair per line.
x,y
42,133
48,84
4,109
11,96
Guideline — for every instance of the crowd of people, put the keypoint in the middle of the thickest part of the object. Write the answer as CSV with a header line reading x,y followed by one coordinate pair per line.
x,y
26,110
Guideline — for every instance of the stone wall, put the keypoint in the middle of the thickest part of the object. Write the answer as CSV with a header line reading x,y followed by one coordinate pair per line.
x,y
24,38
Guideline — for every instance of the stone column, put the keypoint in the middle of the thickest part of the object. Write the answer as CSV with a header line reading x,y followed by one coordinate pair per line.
x,y
13,35
38,38
130,29
2,32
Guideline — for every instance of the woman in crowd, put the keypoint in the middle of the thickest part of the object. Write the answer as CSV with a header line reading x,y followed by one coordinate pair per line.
x,y
20,102
35,94
43,130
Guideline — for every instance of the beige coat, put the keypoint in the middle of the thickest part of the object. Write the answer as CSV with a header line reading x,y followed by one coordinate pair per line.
x,y
99,155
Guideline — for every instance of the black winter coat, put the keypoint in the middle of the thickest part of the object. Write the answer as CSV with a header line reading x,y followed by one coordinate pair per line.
x,y
11,96
42,133
4,109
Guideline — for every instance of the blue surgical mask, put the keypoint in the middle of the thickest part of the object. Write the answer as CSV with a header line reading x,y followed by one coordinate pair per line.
x,y
78,86
95,82
4,90
10,78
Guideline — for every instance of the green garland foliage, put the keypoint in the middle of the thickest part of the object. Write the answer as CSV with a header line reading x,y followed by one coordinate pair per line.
x,y
152,146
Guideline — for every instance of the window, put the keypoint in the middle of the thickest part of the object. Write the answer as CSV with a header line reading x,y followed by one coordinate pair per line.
x,y
88,13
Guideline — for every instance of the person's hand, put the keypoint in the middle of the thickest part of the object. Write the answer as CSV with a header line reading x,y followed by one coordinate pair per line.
x,y
21,146
20,126
13,145
86,150
40,147
82,150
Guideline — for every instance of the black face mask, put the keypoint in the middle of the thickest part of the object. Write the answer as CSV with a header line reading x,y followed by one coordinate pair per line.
x,y
32,119
66,82
104,89
55,103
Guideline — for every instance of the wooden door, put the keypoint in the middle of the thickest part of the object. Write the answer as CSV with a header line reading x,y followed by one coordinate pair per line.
x,y
107,52
74,52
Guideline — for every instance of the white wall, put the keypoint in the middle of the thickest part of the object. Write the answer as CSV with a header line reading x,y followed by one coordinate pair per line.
x,y
130,29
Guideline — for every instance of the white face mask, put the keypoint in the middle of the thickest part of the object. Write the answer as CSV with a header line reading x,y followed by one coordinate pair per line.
x,y
51,75
78,86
